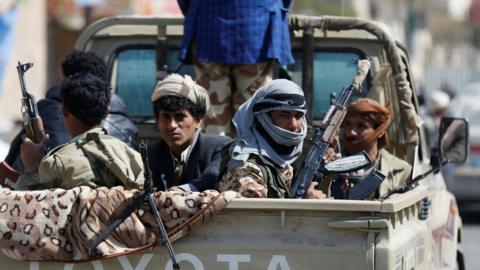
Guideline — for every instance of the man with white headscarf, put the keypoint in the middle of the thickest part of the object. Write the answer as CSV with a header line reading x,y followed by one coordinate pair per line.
x,y
271,127
185,156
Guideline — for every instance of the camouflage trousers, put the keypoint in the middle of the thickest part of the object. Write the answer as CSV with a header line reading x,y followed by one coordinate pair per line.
x,y
229,86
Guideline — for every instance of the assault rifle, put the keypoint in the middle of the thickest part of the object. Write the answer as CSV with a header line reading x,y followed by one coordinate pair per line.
x,y
31,118
145,196
325,134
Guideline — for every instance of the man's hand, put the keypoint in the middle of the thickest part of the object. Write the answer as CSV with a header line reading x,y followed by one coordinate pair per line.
x,y
330,155
313,193
32,153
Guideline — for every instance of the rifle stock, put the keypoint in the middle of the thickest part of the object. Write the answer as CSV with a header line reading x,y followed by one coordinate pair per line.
x,y
325,134
7,174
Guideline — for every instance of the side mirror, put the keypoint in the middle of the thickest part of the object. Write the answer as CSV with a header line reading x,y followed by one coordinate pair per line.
x,y
452,148
453,140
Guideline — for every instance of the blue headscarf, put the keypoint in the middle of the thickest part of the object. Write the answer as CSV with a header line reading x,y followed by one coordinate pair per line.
x,y
282,95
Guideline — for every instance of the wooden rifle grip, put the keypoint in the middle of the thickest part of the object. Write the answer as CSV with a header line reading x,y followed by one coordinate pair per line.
x,y
37,130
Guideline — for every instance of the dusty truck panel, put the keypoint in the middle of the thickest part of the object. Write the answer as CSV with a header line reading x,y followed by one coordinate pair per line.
x,y
286,234
401,232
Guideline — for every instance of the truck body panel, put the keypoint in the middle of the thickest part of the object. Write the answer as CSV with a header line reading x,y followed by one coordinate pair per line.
x,y
290,234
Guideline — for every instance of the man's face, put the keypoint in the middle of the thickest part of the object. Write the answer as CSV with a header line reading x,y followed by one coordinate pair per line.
x,y
289,120
177,128
356,127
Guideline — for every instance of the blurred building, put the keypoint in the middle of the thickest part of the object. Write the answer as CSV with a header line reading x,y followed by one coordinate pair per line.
x,y
437,34
44,31
28,44
443,36
325,7
443,41
67,18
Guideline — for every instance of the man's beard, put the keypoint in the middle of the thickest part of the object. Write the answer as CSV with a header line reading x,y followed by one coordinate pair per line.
x,y
359,144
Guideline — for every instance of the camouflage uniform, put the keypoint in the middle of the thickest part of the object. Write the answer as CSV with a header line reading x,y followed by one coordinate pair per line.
x,y
255,179
91,159
229,86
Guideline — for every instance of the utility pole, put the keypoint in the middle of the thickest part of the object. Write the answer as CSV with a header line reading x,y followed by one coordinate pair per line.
x,y
88,6
87,15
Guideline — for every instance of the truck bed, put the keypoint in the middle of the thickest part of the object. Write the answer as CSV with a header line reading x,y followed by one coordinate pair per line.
x,y
289,234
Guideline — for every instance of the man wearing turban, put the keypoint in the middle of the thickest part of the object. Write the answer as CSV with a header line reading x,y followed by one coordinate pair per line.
x,y
365,129
271,127
184,156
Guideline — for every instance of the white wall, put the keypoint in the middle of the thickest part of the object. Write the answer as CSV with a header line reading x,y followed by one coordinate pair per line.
x,y
362,8
29,46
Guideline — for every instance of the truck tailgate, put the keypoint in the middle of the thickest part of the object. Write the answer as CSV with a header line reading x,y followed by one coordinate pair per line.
x,y
278,234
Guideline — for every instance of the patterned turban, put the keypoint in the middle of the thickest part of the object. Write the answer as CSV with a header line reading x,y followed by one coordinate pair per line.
x,y
178,85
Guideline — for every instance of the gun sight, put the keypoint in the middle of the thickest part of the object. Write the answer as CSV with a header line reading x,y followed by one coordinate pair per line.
x,y
24,67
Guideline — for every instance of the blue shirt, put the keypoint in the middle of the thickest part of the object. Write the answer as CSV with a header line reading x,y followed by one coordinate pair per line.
x,y
236,31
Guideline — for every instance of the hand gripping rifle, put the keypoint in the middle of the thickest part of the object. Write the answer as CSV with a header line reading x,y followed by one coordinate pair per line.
x,y
325,134
31,118
145,196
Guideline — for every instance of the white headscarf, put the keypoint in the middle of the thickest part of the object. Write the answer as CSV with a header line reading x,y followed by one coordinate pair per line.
x,y
278,94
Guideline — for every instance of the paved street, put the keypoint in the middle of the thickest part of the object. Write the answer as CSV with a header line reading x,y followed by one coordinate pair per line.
x,y
471,240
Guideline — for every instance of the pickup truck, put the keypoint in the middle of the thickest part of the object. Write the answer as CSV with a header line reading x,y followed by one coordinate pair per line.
x,y
419,228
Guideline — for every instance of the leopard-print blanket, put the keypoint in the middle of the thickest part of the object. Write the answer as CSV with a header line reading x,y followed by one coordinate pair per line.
x,y
59,224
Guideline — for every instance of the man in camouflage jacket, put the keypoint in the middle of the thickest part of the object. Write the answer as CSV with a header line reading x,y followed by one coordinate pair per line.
x,y
271,127
91,158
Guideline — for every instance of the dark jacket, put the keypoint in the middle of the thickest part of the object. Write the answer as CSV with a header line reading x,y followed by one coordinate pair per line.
x,y
119,125
201,169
